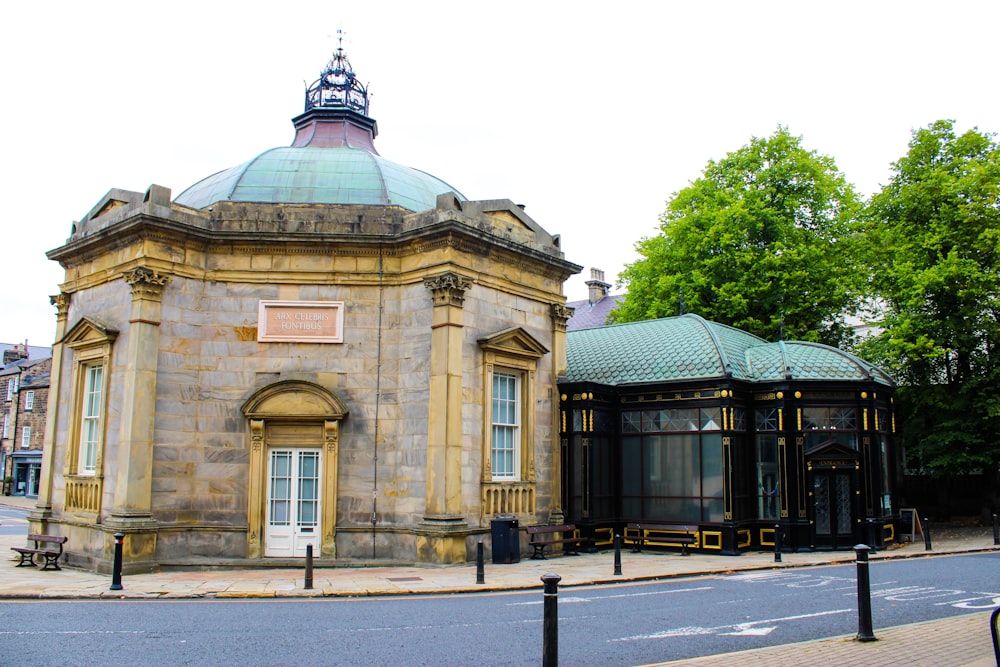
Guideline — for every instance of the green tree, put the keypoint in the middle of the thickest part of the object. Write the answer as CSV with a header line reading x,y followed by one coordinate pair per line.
x,y
935,240
762,241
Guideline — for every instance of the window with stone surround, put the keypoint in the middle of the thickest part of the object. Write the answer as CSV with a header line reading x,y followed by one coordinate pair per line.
x,y
11,388
26,437
29,401
510,363
91,345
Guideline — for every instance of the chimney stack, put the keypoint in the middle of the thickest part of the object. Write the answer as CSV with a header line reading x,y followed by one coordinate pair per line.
x,y
598,288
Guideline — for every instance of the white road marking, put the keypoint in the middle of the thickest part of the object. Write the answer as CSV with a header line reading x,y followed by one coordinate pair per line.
x,y
610,597
734,629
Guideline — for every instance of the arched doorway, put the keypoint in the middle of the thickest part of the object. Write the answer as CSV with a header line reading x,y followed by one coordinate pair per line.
x,y
294,434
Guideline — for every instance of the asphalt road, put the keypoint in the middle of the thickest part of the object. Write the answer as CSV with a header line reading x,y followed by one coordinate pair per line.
x,y
628,624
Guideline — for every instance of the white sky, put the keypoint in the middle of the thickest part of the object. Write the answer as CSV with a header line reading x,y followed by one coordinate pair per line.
x,y
590,114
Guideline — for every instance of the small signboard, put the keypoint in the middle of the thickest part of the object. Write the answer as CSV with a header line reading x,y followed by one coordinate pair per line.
x,y
909,523
300,322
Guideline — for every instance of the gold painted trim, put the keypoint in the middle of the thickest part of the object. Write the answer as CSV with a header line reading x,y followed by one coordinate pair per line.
x,y
716,535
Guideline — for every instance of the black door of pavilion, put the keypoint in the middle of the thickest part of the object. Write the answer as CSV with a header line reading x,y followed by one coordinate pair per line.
x,y
833,508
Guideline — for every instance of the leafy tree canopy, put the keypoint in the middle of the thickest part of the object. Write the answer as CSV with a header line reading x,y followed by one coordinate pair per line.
x,y
762,241
934,243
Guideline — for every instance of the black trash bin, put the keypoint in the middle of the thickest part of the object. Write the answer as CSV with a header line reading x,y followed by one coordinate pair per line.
x,y
506,540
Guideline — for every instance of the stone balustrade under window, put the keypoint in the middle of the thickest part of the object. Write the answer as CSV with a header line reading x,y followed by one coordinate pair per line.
x,y
83,494
508,498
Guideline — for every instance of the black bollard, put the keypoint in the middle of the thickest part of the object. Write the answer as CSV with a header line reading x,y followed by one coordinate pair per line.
x,y
927,534
865,633
777,543
550,624
116,573
996,530
309,567
480,572
618,554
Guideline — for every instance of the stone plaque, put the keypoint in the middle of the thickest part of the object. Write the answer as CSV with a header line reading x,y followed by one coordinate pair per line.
x,y
301,322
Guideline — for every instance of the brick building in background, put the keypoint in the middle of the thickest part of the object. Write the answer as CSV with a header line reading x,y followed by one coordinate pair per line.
x,y
24,395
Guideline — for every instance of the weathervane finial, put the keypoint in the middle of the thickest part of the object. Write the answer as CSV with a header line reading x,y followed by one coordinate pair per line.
x,y
337,85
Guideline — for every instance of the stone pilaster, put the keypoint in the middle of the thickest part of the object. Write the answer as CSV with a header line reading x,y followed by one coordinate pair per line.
x,y
560,315
131,510
437,541
43,506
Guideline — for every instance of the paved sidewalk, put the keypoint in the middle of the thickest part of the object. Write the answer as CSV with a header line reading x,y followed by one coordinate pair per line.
x,y
959,641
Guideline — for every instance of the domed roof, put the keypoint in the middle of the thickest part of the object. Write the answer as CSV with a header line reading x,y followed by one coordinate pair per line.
x,y
331,161
318,175
689,347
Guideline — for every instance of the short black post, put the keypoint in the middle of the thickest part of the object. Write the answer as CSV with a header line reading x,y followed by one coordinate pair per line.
x,y
865,633
618,554
309,567
480,571
550,624
996,530
777,543
872,538
927,534
116,573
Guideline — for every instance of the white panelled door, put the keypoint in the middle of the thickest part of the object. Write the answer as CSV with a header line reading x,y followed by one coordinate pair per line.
x,y
293,494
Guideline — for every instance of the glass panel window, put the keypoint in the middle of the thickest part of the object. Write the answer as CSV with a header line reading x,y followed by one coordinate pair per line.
x,y
29,400
90,418
6,426
739,419
281,488
26,437
308,517
505,436
766,419
835,419
711,419
631,423
11,388
767,476
680,420
651,421
843,419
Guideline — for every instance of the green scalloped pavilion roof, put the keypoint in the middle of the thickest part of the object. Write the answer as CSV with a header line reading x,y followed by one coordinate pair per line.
x,y
689,347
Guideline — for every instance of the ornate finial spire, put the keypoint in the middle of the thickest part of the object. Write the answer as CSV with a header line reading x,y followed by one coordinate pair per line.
x,y
337,86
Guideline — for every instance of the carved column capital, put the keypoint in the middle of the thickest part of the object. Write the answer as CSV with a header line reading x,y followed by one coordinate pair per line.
x,y
61,302
146,283
448,289
560,314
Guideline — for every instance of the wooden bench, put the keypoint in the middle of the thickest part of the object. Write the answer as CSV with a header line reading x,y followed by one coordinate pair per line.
x,y
540,537
51,555
666,534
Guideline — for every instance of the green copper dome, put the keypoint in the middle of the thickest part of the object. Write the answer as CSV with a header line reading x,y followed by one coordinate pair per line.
x,y
689,347
331,161
318,175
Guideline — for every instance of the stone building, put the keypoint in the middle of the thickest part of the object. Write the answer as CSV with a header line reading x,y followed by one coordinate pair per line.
x,y
316,347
